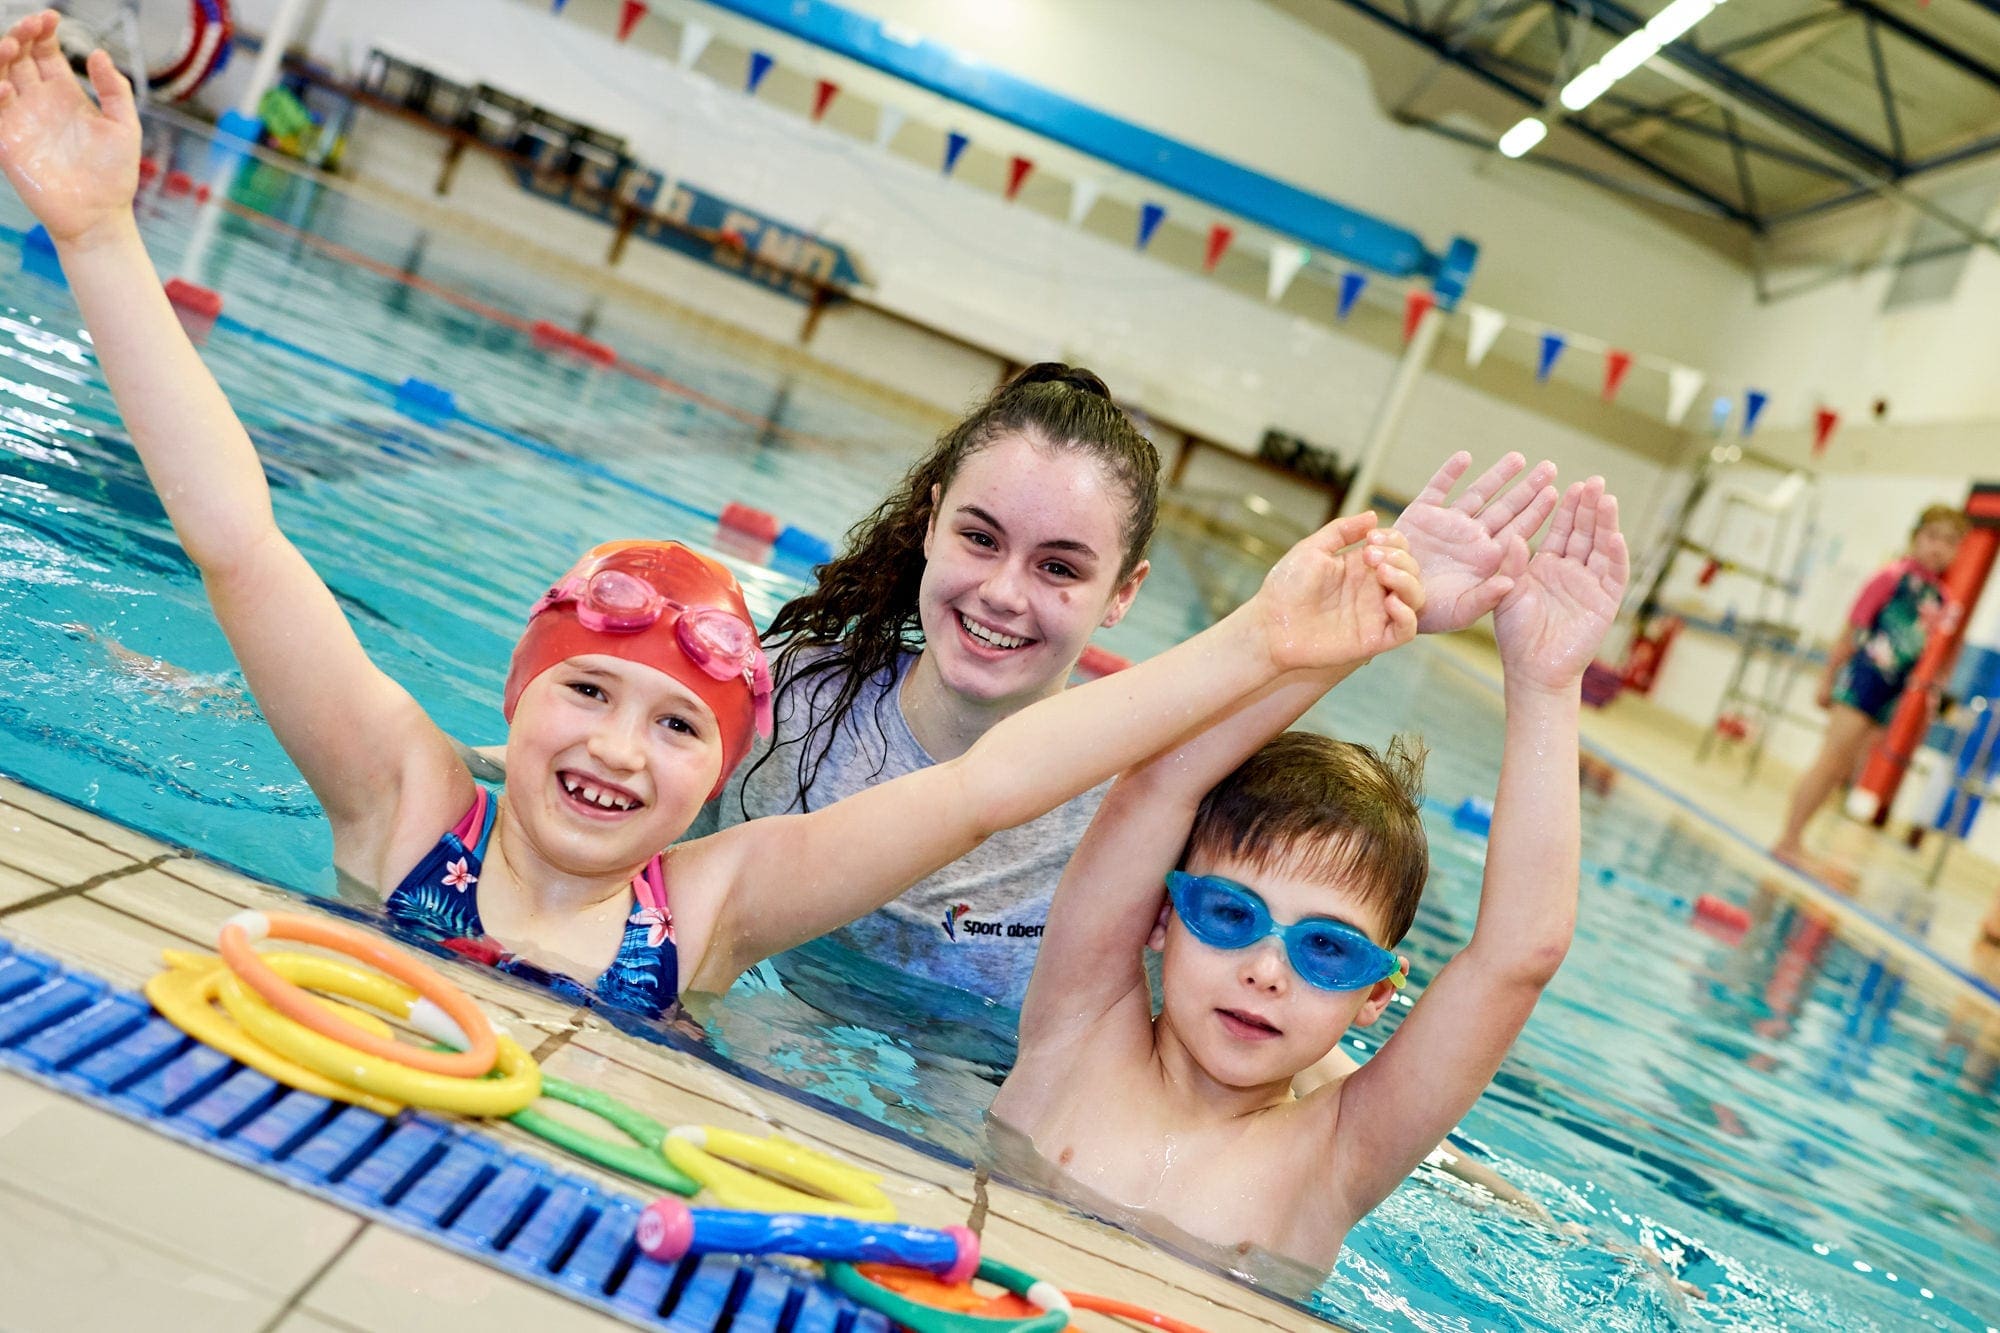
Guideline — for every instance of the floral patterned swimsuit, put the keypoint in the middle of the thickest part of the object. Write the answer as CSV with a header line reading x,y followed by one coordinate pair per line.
x,y
437,902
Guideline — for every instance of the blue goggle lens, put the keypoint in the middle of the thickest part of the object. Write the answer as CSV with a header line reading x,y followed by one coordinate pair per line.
x,y
1328,954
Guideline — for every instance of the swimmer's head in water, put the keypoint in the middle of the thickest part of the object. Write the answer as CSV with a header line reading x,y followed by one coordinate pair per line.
x,y
661,605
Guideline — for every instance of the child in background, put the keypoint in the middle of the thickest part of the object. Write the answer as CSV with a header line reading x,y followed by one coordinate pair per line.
x,y
636,686
1275,875
1886,630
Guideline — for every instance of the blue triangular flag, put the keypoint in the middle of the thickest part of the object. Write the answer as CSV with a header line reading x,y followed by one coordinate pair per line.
x,y
954,146
1552,348
557,5
1753,407
760,65
1351,284
1150,218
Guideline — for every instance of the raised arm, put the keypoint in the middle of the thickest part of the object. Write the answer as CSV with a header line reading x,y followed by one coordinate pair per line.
x,y
1397,1106
76,166
1110,894
792,878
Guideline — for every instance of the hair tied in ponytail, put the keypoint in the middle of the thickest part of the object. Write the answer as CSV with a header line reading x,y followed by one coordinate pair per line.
x,y
1056,372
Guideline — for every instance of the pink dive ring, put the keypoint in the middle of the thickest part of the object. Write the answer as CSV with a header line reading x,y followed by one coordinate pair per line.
x,y
444,1013
669,1229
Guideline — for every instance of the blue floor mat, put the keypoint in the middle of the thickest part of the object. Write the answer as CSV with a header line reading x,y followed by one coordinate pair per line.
x,y
426,1175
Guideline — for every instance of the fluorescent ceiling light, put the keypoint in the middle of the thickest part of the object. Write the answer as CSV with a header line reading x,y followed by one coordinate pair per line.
x,y
1678,17
1587,87
1522,137
1635,50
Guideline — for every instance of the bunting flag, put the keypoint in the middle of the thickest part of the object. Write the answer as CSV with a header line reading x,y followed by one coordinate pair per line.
x,y
1683,384
1552,350
1616,363
1150,217
695,38
1824,421
954,148
823,94
629,17
1416,304
1485,331
1719,413
888,120
760,65
1351,284
1753,407
1018,170
1082,197
1219,238
556,6
1286,261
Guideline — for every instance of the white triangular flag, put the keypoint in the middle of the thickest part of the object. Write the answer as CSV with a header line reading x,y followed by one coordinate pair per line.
x,y
695,38
887,121
1082,198
1486,326
1286,261
1682,385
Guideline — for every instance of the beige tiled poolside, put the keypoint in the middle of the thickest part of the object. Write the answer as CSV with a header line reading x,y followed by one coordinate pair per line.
x,y
106,1224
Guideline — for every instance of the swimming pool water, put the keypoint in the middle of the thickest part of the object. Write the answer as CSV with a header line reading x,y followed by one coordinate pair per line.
x,y
1780,1123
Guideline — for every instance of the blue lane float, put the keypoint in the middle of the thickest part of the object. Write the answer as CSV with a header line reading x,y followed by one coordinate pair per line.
x,y
425,402
38,256
1473,815
802,547
451,1185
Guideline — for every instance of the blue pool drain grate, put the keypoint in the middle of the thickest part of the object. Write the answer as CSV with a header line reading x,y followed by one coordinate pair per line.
x,y
428,1176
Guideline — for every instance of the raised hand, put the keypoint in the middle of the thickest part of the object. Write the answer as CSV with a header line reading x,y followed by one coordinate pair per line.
x,y
75,165
1550,625
1330,601
1470,551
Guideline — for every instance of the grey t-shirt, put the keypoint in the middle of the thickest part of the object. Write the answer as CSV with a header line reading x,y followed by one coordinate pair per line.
x,y
975,924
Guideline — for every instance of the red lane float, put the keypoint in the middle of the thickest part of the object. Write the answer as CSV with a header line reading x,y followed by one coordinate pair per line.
x,y
1723,919
178,182
1097,661
194,298
546,334
740,518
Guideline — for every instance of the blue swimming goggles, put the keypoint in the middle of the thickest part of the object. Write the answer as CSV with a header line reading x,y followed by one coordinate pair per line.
x,y
1328,954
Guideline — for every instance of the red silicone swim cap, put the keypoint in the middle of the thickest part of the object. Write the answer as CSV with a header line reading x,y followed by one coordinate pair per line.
x,y
661,605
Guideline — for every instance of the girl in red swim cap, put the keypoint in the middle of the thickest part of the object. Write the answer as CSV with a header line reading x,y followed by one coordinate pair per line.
x,y
636,686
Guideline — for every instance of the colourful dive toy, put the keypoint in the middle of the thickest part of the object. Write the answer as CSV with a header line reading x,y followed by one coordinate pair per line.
x,y
438,1009
641,1159
775,1175
518,1083
186,992
669,1229
950,1308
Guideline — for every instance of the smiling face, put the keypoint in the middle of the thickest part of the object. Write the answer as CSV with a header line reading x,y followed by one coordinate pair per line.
x,y
1023,558
608,762
1244,1015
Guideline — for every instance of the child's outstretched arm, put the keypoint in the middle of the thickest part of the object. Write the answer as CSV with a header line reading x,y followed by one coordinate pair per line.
x,y
347,726
1470,550
791,878
1396,1107
1112,888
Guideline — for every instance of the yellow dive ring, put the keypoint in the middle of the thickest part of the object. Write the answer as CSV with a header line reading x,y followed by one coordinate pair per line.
x,y
518,1083
780,1172
185,996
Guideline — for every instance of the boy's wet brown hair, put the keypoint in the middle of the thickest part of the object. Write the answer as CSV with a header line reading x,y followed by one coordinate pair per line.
x,y
1329,809
1943,514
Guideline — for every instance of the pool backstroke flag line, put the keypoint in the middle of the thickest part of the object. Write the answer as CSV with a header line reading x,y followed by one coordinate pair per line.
x,y
1287,258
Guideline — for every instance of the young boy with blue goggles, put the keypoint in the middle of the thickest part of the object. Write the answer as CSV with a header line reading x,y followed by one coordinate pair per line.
x,y
1304,860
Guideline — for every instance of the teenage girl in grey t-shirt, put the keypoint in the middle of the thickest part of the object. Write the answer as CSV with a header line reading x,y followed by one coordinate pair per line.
x,y
967,595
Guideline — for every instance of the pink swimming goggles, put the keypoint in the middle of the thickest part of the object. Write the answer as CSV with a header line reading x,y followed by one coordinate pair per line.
x,y
614,593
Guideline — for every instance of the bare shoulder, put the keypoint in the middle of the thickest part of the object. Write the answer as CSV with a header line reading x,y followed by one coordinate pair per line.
x,y
381,839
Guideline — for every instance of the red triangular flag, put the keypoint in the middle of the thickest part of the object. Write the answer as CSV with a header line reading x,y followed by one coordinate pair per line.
x,y
823,94
1824,420
1017,175
1616,363
1219,238
629,19
1415,306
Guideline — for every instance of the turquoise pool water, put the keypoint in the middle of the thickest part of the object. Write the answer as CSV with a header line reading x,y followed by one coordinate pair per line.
x,y
1780,1123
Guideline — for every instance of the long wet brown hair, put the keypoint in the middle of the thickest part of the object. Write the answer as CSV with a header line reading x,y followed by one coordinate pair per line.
x,y
862,616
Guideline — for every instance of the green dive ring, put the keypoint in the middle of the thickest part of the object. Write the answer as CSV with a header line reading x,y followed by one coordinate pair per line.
x,y
921,1318
642,1159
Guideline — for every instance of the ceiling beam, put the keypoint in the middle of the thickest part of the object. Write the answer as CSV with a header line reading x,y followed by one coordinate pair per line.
x,y
1984,71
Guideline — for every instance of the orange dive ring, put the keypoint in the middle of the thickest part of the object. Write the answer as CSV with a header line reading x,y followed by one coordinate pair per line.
x,y
444,1013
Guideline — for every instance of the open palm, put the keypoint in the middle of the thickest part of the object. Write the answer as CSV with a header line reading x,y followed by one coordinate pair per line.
x,y
1550,625
73,163
1471,550
1328,603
